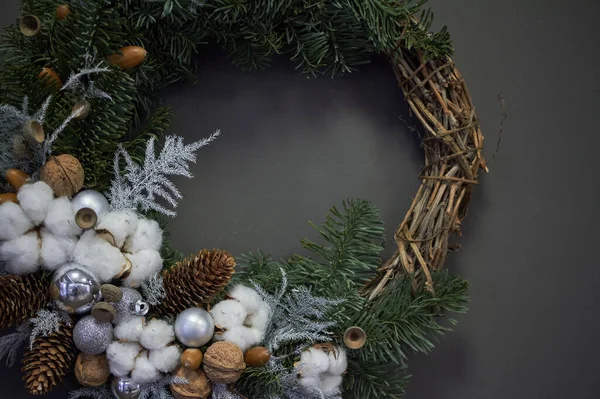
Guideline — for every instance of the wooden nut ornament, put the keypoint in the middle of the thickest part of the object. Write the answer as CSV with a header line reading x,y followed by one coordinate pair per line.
x,y
64,174
62,12
198,386
355,338
257,356
30,25
8,197
128,57
50,77
92,370
224,362
86,218
16,178
191,358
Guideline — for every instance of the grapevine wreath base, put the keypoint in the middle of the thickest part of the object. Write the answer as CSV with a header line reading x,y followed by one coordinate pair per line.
x,y
91,283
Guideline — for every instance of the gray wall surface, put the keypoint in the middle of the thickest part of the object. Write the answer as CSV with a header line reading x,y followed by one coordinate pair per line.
x,y
292,147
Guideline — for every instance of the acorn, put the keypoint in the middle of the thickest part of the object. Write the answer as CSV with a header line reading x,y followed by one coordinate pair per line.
x,y
111,293
30,25
50,77
8,197
104,312
191,358
128,57
257,356
16,178
34,132
64,174
86,218
62,12
355,338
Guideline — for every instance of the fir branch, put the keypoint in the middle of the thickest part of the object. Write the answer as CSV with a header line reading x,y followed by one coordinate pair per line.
x,y
45,323
160,389
10,343
102,392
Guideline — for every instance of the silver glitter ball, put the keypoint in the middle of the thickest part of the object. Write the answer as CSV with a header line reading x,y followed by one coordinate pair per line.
x,y
74,290
194,327
124,388
90,199
126,306
91,336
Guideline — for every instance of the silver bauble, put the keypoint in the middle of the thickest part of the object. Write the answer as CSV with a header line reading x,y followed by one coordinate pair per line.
x,y
194,327
126,306
124,388
90,199
75,290
141,308
92,337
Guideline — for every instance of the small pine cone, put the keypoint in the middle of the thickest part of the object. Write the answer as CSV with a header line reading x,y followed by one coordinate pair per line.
x,y
195,281
22,296
51,358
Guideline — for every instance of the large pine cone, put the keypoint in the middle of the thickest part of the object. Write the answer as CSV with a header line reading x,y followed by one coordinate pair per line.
x,y
195,281
45,365
22,296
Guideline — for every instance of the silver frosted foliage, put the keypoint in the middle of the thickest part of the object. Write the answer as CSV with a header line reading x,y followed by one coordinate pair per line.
x,y
194,327
124,388
75,290
126,306
91,336
90,199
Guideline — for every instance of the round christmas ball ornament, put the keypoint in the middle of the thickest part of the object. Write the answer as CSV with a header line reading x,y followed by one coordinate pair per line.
x,y
257,356
355,338
62,12
128,57
50,77
30,25
86,218
191,358
91,336
90,199
126,306
82,109
92,370
16,178
64,174
8,197
74,290
198,386
194,327
224,362
124,388
111,293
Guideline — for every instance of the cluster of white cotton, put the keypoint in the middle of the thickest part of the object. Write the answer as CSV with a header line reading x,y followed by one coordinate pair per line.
x,y
38,232
146,350
243,319
322,370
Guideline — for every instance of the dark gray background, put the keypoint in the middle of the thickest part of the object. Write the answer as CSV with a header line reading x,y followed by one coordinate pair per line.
x,y
292,147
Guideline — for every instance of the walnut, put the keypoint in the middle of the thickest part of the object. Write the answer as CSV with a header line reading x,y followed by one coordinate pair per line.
x,y
198,386
64,174
92,370
224,362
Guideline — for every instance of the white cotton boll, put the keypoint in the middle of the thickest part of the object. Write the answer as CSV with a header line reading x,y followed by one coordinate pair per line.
x,y
316,358
242,336
157,334
247,297
56,251
34,199
144,265
60,219
144,372
13,221
261,318
338,361
228,314
121,224
98,255
121,357
331,384
148,235
21,254
166,359
312,381
130,329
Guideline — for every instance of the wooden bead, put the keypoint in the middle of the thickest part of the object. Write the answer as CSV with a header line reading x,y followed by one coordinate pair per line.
x,y
86,218
8,197
64,174
62,12
30,25
191,358
355,338
50,77
128,57
257,356
16,178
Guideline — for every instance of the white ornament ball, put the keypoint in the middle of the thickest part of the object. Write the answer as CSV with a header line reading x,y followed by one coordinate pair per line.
x,y
91,336
90,199
194,327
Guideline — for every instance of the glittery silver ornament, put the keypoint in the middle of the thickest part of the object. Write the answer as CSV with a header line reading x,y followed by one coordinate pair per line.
x,y
75,290
91,336
194,327
141,308
126,306
124,388
90,199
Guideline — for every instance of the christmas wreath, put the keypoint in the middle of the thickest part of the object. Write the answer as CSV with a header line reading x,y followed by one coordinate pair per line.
x,y
90,280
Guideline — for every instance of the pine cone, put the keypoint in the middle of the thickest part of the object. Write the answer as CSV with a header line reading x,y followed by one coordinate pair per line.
x,y
51,358
195,281
22,296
